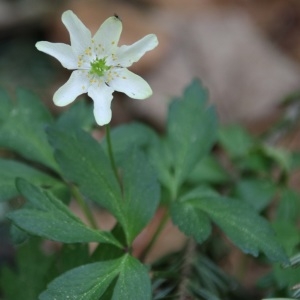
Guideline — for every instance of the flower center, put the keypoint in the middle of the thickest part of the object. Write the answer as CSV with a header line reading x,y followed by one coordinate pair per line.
x,y
99,67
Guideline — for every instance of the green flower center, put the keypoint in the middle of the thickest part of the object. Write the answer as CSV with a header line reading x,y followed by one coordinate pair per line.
x,y
99,67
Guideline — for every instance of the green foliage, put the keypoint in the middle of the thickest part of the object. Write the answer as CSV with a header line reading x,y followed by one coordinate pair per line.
x,y
78,115
89,282
231,188
205,279
35,268
250,232
256,192
28,281
48,217
191,131
124,137
208,170
10,170
190,221
140,197
22,128
84,162
289,207
236,141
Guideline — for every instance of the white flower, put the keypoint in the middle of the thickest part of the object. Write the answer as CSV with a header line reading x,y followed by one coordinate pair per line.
x,y
100,66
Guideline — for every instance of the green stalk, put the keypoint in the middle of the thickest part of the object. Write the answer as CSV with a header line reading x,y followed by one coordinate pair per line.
x,y
111,154
84,207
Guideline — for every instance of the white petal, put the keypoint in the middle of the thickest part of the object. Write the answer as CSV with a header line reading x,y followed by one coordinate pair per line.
x,y
131,84
102,96
108,35
127,55
62,52
80,36
77,84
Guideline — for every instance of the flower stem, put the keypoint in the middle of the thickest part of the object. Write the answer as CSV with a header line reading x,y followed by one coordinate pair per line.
x,y
156,234
86,210
110,153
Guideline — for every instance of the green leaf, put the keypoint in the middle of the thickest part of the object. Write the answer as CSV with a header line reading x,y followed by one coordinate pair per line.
x,y
288,234
160,156
83,162
246,229
69,256
18,236
208,170
106,252
10,170
48,217
236,140
126,136
133,281
80,114
281,156
89,282
278,299
138,135
286,277
192,130
255,162
295,159
141,193
289,208
6,104
250,232
22,130
190,221
256,192
31,276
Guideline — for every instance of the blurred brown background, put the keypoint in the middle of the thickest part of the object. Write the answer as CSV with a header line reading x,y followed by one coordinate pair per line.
x,y
246,52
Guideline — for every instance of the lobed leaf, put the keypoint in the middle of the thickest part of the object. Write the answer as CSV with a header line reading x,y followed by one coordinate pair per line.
x,y
48,217
208,170
256,192
10,170
160,156
83,162
190,221
236,140
192,130
244,227
141,193
89,282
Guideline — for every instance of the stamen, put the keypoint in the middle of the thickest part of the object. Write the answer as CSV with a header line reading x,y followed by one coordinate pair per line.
x,y
99,67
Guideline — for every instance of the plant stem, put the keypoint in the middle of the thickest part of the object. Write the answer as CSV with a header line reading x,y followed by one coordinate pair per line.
x,y
111,154
86,210
156,234
186,270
